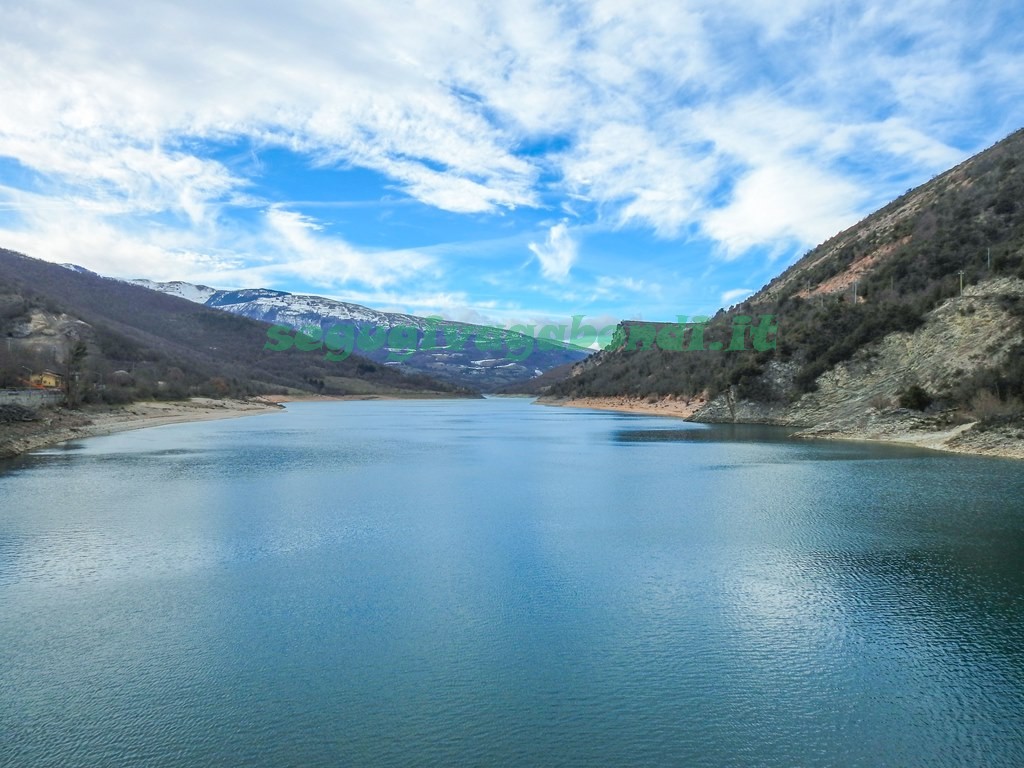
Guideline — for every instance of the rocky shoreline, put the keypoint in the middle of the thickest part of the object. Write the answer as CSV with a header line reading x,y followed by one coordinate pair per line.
x,y
58,425
682,409
897,426
935,432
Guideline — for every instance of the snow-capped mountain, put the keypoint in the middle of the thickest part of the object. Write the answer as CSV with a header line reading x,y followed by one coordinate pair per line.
x,y
459,352
79,270
197,293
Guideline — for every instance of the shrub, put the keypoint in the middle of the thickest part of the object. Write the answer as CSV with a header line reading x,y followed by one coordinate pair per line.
x,y
915,398
117,395
986,406
880,402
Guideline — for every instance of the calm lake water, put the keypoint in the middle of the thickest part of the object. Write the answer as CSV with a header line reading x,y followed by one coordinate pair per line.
x,y
499,583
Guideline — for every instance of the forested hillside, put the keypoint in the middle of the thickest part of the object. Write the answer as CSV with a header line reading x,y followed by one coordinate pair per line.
x,y
889,274
115,342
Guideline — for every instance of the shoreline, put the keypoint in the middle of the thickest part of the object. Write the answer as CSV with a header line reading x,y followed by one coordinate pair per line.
x,y
315,398
678,409
59,426
961,439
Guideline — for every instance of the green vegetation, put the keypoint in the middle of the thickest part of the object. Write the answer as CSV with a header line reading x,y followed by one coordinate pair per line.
x,y
915,398
967,224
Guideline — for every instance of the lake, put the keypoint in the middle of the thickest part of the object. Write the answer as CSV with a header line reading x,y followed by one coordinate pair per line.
x,y
499,583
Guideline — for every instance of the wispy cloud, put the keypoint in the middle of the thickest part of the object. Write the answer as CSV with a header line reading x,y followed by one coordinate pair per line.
x,y
736,294
305,250
557,253
756,126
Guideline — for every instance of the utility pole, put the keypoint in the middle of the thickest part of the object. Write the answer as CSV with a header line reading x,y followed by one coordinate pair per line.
x,y
961,273
989,259
855,291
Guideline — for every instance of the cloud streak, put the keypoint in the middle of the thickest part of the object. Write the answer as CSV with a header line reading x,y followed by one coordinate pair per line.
x,y
751,126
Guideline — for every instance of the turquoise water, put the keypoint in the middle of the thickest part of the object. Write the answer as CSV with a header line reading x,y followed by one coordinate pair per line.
x,y
498,583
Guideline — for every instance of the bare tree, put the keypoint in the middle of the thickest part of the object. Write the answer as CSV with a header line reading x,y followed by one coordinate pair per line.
x,y
74,364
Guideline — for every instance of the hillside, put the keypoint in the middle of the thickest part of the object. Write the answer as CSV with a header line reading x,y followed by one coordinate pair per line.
x,y
466,355
118,342
870,319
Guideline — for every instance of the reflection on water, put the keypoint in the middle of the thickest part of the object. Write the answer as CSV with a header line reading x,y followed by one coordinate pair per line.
x,y
422,583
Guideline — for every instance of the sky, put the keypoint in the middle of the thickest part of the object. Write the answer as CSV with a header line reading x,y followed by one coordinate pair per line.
x,y
511,162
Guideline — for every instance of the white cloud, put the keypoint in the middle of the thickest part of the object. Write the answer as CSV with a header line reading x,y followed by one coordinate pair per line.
x,y
290,246
357,85
82,232
787,202
447,304
754,123
651,176
631,284
557,253
304,250
736,294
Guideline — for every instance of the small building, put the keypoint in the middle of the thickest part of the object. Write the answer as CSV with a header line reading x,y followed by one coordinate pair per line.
x,y
47,380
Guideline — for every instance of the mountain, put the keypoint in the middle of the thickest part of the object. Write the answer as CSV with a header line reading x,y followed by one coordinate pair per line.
x,y
197,294
119,342
916,312
468,355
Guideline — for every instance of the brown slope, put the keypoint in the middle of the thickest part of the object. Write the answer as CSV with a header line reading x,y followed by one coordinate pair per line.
x,y
906,259
164,338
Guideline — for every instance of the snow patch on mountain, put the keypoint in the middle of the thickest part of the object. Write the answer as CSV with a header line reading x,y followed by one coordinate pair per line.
x,y
198,294
305,313
80,270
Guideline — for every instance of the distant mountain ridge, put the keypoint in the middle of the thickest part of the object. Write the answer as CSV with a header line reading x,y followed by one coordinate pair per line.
x,y
118,342
483,367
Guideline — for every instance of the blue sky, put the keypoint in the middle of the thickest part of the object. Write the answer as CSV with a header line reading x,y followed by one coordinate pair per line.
x,y
491,162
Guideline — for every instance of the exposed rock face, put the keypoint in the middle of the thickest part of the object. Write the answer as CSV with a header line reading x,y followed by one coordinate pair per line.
x,y
858,398
729,408
903,306
959,336
48,334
